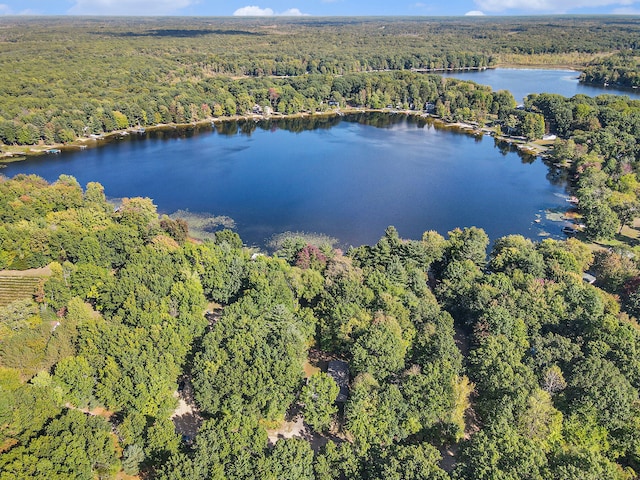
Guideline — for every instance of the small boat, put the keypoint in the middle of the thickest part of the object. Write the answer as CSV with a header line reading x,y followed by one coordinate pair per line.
x,y
569,231
53,150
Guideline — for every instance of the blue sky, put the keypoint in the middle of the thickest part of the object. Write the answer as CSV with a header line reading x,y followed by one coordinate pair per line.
x,y
316,7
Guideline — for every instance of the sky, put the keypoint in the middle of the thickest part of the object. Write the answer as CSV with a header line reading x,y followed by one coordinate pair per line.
x,y
317,7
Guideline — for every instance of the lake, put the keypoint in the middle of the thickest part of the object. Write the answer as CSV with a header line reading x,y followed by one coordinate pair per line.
x,y
347,177
521,82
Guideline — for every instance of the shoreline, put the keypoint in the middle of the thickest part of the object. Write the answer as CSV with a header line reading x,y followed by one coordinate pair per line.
x,y
540,66
17,153
21,153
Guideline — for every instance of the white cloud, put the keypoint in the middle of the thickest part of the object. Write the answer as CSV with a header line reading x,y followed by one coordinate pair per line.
x,y
474,13
552,6
5,9
255,11
129,7
293,12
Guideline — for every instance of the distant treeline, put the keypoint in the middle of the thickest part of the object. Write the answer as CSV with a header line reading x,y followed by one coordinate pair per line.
x,y
62,78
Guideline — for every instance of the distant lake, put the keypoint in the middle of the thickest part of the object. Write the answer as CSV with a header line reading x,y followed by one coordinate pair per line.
x,y
346,177
521,82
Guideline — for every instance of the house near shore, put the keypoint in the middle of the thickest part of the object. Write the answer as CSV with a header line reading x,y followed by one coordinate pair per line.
x,y
339,371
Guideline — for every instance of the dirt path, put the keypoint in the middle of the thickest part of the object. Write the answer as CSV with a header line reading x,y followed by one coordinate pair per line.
x,y
463,342
471,424
32,272
186,417
449,457
296,428
96,412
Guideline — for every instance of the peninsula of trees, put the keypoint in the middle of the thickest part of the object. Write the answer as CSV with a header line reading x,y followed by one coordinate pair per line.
x,y
620,70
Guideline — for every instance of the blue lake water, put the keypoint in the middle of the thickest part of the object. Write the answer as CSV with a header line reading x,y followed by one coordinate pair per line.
x,y
349,181
521,82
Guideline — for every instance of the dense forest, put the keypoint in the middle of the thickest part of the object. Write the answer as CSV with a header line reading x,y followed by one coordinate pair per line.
x,y
620,70
451,99
547,386
62,78
467,357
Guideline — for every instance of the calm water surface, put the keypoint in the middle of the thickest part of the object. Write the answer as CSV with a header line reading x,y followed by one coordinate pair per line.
x,y
521,82
350,181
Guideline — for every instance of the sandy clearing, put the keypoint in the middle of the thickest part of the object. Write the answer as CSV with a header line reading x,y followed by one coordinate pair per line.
x,y
32,272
